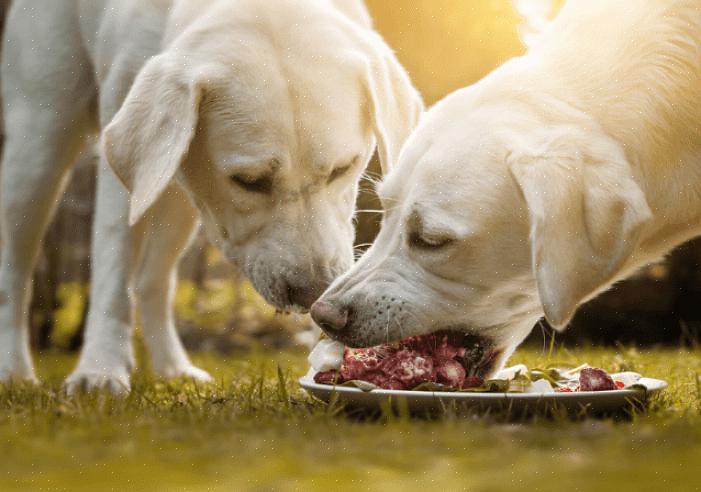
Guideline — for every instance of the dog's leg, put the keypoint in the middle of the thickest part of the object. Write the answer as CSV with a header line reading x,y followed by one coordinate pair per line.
x,y
107,357
33,178
170,226
47,92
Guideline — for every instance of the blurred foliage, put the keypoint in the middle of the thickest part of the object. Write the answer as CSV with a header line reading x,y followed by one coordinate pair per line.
x,y
225,314
221,315
72,298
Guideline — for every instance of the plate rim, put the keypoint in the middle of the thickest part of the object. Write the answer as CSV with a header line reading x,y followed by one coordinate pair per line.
x,y
657,385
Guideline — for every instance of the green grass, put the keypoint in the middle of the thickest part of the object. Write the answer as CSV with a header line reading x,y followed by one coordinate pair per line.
x,y
244,434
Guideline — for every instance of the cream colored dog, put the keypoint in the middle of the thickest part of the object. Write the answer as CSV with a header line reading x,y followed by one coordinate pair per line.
x,y
534,190
257,116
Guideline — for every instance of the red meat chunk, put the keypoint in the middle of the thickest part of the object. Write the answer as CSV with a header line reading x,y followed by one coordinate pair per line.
x,y
450,372
440,345
409,369
472,382
405,365
358,363
326,377
593,379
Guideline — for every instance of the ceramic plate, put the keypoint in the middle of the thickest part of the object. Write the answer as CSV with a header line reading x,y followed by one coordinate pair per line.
x,y
430,401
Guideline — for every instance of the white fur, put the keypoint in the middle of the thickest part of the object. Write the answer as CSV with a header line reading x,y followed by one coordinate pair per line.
x,y
538,187
192,96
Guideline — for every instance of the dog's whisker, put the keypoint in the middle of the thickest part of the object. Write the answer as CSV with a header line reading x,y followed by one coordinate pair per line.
x,y
387,327
400,329
372,176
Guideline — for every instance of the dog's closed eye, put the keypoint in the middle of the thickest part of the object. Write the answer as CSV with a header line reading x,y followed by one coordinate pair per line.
x,y
338,172
262,185
428,243
420,237
343,170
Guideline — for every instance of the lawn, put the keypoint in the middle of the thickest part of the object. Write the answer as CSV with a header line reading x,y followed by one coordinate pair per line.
x,y
250,432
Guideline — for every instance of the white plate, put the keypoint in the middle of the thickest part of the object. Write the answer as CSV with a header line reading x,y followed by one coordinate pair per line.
x,y
431,401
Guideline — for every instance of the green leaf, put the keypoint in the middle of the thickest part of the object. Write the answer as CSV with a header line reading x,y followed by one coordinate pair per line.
x,y
489,386
430,386
361,385
553,375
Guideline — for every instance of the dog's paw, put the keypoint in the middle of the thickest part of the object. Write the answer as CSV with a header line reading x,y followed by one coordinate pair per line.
x,y
115,381
17,373
8,375
186,372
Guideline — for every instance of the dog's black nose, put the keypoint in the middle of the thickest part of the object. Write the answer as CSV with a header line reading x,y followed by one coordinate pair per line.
x,y
305,296
330,318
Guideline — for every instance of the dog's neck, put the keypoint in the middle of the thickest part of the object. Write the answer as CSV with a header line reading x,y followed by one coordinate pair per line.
x,y
637,73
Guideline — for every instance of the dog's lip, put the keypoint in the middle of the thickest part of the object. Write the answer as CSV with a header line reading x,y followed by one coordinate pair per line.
x,y
287,310
291,307
487,366
481,353
296,309
287,307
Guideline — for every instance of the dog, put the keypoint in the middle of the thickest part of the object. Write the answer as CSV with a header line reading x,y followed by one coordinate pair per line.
x,y
537,188
256,117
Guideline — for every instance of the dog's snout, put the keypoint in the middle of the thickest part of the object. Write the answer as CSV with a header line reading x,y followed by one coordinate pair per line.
x,y
305,296
332,319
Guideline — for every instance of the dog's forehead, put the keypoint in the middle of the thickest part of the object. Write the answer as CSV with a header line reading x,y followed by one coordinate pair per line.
x,y
316,124
329,121
301,91
451,182
442,169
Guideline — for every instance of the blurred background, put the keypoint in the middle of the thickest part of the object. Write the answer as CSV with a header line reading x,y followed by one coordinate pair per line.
x,y
445,45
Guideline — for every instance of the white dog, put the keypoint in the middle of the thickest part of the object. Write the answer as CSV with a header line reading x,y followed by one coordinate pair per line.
x,y
534,190
258,116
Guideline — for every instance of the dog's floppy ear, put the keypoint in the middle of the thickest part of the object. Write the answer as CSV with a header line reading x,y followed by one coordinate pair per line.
x,y
396,106
586,213
150,136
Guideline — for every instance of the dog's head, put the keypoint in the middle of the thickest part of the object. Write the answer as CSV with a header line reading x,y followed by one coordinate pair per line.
x,y
496,214
266,116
